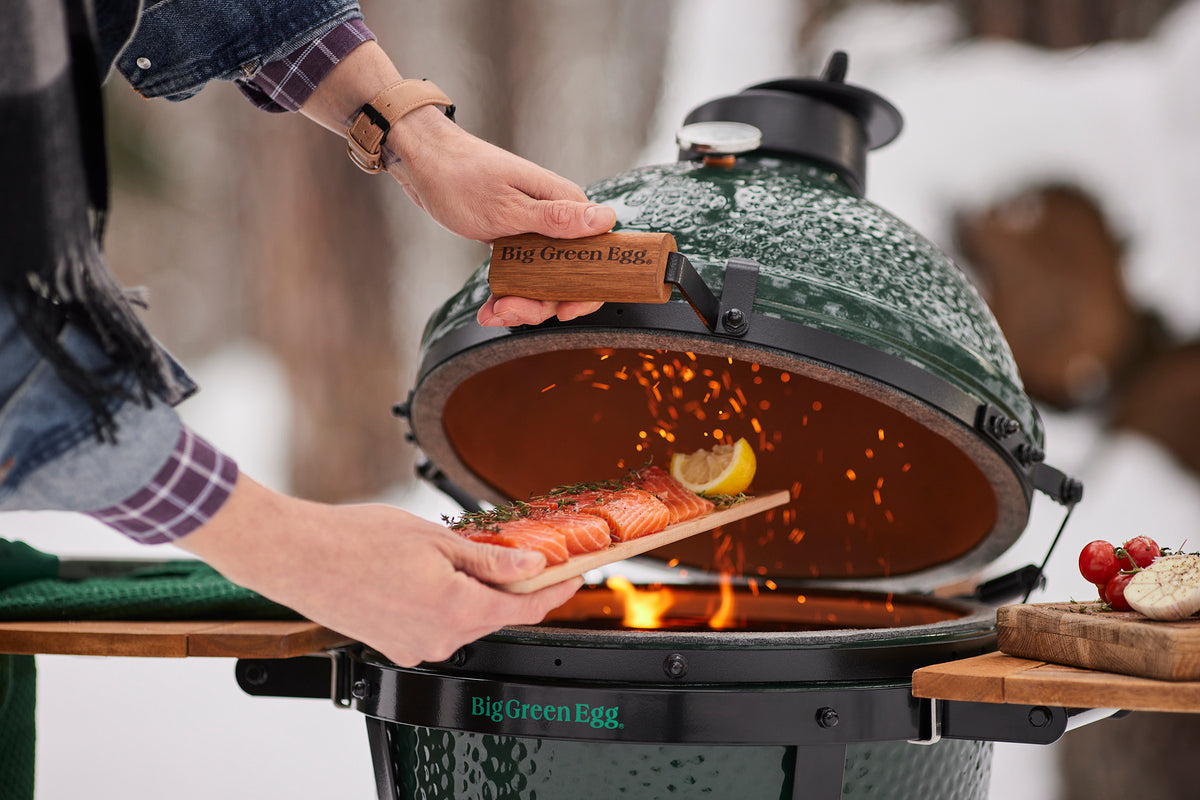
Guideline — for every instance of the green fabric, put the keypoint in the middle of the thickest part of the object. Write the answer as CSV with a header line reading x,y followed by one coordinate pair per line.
x,y
174,591
18,690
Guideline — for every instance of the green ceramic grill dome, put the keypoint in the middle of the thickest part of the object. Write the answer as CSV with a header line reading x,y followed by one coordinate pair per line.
x,y
856,356
828,259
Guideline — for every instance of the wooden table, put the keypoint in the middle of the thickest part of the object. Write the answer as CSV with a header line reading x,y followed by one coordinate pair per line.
x,y
218,639
1000,678
990,678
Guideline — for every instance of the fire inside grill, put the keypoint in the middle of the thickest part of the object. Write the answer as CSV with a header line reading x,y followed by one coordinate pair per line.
x,y
620,605
862,475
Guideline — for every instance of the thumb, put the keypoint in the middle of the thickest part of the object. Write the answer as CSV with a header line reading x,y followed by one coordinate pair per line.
x,y
570,219
494,564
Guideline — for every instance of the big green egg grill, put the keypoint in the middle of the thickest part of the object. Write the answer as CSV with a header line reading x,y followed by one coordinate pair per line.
x,y
874,385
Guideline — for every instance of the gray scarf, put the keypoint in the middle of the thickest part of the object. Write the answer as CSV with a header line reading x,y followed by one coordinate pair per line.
x,y
53,200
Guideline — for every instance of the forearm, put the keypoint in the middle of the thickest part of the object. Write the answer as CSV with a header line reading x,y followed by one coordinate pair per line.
x,y
401,584
358,77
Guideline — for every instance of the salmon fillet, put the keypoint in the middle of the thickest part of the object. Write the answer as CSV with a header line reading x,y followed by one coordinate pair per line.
x,y
683,503
525,534
584,533
630,512
574,521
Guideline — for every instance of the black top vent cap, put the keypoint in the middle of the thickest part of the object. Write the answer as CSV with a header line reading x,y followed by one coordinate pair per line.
x,y
824,119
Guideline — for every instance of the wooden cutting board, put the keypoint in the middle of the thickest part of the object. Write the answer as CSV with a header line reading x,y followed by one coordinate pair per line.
x,y
577,565
1082,635
1001,678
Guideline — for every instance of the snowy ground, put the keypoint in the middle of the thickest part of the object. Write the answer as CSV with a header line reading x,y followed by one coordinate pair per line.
x,y
982,119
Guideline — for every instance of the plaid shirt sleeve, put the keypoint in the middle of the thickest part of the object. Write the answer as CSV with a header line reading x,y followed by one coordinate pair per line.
x,y
284,84
195,481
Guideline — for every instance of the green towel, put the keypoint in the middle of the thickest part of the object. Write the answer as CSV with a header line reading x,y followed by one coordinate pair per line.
x,y
175,591
178,590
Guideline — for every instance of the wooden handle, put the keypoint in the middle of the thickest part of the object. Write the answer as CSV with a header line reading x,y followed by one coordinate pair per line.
x,y
622,267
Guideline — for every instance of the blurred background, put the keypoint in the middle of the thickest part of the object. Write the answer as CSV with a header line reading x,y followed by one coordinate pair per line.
x,y
1050,147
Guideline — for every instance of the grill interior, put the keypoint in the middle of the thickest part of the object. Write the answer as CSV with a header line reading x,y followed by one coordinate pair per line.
x,y
877,491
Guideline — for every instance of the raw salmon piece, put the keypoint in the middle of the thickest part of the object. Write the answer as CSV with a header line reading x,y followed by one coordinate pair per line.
x,y
630,513
683,503
525,534
565,501
585,533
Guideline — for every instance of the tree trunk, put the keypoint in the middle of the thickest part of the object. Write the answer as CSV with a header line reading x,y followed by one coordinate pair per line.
x,y
322,264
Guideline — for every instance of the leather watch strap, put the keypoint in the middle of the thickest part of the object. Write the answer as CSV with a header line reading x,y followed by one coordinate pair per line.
x,y
371,126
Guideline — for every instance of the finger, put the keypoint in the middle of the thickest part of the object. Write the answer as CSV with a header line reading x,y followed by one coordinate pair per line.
x,y
570,309
494,564
567,219
533,607
512,311
487,312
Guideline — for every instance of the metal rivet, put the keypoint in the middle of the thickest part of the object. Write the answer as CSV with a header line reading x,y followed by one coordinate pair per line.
x,y
1027,454
827,717
143,63
360,690
675,665
256,675
1002,427
734,321
1040,716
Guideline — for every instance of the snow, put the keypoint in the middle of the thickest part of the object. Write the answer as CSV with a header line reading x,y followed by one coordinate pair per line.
x,y
982,120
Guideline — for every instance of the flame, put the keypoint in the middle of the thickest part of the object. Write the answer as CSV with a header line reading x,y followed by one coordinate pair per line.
x,y
643,608
723,616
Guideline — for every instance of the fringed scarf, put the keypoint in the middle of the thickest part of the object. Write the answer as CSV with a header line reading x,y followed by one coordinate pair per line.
x,y
53,201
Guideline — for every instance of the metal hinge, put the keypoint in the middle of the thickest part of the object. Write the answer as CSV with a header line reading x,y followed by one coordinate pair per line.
x,y
731,314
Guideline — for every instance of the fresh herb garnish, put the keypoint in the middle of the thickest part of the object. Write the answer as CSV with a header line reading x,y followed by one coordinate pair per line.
x,y
724,501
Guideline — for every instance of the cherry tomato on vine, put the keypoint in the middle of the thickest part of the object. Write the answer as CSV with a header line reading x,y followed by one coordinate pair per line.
x,y
1098,562
1114,591
1142,550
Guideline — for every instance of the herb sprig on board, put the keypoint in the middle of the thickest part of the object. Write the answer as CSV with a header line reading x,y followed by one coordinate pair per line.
x,y
723,501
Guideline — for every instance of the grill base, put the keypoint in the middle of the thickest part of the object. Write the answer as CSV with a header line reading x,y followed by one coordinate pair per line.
x,y
413,763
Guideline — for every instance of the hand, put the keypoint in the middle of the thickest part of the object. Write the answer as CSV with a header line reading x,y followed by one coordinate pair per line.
x,y
479,191
400,584
470,187
513,311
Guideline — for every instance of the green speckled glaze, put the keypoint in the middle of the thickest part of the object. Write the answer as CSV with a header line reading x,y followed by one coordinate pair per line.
x,y
445,765
828,259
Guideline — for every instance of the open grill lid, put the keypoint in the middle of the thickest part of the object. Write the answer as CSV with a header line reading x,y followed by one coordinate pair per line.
x,y
859,361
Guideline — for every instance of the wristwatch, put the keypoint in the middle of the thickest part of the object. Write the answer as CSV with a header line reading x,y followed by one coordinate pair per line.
x,y
375,120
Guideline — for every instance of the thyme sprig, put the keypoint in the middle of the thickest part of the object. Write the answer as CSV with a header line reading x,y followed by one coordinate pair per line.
x,y
723,501
606,485
490,519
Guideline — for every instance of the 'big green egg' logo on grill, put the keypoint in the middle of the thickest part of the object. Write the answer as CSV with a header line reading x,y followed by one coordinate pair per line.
x,y
499,710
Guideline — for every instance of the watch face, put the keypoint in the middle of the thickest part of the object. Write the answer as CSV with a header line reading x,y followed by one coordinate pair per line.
x,y
719,137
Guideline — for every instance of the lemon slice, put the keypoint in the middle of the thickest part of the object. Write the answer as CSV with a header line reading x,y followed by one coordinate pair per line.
x,y
725,469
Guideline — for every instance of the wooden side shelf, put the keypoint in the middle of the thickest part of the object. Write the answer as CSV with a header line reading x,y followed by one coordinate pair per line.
x,y
1000,678
222,639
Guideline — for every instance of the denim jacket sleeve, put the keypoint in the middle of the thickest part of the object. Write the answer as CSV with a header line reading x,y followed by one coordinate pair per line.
x,y
50,457
180,45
